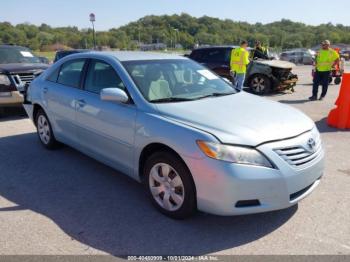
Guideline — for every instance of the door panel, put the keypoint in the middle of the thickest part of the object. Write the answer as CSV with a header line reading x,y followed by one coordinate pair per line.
x,y
60,100
105,129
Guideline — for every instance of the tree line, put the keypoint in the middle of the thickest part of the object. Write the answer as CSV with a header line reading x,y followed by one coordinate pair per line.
x,y
176,29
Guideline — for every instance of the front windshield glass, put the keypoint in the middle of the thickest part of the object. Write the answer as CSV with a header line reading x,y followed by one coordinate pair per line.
x,y
13,55
176,80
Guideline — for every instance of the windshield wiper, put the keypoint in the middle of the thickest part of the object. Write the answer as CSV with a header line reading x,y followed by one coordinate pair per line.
x,y
216,95
171,99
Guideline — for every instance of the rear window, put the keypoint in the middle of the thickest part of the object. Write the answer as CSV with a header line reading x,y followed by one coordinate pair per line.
x,y
70,73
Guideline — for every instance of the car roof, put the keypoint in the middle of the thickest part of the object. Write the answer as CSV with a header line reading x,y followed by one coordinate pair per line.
x,y
13,46
219,47
73,51
215,47
124,56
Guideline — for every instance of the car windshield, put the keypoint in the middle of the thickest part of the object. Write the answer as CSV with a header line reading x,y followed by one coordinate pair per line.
x,y
11,55
176,80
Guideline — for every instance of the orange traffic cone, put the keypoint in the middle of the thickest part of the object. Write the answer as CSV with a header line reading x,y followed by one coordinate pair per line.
x,y
340,116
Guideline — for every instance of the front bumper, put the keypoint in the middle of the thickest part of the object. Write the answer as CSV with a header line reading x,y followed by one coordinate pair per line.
x,y
288,83
222,187
11,98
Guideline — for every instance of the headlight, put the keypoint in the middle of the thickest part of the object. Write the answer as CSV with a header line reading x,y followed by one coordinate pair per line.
x,y
234,154
4,80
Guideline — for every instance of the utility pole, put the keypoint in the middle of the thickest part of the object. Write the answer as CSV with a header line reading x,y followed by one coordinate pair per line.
x,y
92,20
139,36
175,36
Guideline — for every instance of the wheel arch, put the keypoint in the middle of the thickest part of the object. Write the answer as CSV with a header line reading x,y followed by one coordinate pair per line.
x,y
36,108
152,148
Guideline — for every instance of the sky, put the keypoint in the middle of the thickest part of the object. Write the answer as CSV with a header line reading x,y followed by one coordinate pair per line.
x,y
114,13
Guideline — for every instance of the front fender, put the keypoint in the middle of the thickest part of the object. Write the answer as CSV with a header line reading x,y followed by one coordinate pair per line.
x,y
152,128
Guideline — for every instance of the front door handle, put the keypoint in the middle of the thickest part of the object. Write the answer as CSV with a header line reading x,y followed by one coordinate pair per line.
x,y
45,90
81,103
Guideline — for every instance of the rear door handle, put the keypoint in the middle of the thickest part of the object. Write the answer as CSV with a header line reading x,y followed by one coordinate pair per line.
x,y
81,102
45,90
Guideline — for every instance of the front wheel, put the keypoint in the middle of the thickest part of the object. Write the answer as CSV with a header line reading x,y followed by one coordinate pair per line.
x,y
259,84
170,186
44,130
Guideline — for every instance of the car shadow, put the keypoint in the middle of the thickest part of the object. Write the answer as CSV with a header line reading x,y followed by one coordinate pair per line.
x,y
294,102
12,113
108,211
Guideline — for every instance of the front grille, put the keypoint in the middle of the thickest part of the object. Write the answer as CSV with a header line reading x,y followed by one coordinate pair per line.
x,y
26,78
300,155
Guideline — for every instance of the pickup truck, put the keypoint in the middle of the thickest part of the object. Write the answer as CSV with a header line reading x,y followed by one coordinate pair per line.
x,y
18,67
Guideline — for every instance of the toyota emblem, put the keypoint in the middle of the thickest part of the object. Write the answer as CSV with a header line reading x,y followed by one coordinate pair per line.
x,y
311,143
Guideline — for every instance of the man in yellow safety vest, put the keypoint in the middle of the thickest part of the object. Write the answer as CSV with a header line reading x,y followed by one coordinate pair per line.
x,y
326,60
239,62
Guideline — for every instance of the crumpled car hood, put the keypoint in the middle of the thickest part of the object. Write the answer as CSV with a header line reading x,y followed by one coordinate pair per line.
x,y
277,63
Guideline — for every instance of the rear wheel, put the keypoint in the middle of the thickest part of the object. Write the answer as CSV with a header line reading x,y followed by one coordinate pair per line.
x,y
44,130
259,84
169,185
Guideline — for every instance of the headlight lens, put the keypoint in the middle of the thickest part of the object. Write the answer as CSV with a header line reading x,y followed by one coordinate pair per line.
x,y
234,154
4,80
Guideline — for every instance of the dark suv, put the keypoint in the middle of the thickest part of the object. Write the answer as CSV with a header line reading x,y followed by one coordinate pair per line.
x,y
18,67
263,76
63,53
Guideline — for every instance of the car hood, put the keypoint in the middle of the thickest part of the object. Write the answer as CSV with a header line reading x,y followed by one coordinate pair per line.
x,y
240,118
22,67
276,63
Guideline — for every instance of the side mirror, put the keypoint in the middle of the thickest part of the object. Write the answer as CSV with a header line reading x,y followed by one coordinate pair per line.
x,y
114,95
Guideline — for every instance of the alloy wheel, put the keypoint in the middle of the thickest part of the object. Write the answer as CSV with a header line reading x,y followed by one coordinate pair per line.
x,y
258,84
44,129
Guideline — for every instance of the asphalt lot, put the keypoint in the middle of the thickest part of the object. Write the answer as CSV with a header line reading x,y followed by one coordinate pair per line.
x,y
62,202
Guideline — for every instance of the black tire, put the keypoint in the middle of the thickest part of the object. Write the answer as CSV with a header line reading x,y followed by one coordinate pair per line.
x,y
2,112
260,84
337,80
188,206
330,80
51,142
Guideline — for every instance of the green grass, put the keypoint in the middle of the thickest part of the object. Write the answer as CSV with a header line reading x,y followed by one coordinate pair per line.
x,y
49,55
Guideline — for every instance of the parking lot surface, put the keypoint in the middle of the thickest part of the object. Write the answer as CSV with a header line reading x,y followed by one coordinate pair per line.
x,y
62,202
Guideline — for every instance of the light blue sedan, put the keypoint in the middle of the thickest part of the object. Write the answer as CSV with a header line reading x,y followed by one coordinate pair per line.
x,y
194,141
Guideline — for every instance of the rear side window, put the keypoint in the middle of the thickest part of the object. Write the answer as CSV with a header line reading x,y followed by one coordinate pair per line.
x,y
70,74
216,55
102,75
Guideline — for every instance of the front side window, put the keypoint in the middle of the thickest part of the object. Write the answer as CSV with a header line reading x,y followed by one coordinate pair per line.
x,y
102,75
54,75
70,74
176,80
